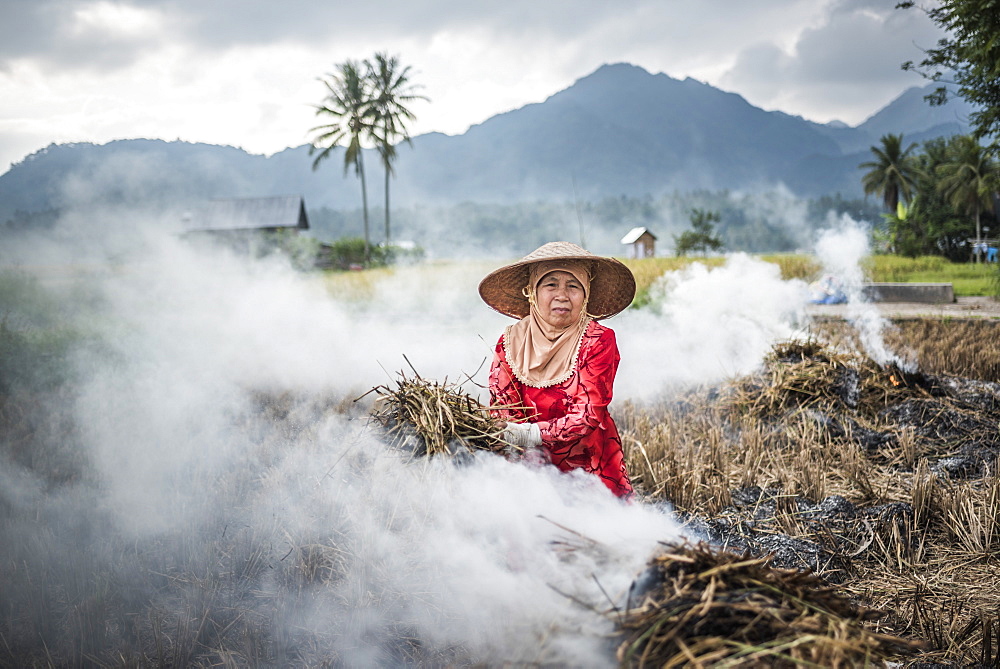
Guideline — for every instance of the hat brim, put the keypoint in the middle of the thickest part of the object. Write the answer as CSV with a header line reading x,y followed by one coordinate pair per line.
x,y
612,286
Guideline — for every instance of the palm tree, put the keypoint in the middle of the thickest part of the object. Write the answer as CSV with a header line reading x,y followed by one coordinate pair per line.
x,y
391,92
892,173
968,179
348,103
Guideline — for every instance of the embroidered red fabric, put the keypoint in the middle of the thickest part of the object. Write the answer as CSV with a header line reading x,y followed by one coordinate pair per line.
x,y
577,430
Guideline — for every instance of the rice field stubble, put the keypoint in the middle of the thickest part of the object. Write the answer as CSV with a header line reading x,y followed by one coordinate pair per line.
x,y
885,488
880,481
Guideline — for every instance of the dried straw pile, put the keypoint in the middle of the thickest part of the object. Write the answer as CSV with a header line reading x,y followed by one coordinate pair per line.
x,y
429,418
811,375
952,346
709,608
882,482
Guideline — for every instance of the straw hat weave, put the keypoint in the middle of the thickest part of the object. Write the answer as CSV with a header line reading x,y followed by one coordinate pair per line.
x,y
612,285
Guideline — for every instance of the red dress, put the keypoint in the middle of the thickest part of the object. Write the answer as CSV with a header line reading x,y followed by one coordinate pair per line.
x,y
577,430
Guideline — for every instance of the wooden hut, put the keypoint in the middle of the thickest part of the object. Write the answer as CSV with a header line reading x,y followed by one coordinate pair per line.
x,y
639,243
281,212
247,224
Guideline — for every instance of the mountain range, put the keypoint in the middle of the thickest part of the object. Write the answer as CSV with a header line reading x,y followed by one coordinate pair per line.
x,y
618,131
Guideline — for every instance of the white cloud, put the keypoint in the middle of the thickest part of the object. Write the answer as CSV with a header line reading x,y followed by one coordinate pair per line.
x,y
843,68
244,73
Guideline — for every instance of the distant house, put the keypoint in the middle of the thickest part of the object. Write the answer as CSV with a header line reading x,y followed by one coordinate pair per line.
x,y
244,223
640,243
282,212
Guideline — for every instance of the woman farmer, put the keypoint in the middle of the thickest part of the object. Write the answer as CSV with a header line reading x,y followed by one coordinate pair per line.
x,y
552,374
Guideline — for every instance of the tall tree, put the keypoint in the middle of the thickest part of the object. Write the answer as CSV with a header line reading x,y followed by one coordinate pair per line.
x,y
969,55
930,226
348,103
701,236
969,178
391,93
893,172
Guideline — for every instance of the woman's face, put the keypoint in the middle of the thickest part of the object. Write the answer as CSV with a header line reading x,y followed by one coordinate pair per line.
x,y
560,298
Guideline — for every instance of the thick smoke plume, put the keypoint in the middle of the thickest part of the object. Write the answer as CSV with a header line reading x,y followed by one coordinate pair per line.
x,y
841,249
201,457
208,457
706,325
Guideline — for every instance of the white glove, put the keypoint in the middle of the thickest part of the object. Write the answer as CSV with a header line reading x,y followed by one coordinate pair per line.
x,y
522,435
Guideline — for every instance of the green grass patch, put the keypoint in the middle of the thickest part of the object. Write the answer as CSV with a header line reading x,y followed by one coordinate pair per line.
x,y
795,266
967,279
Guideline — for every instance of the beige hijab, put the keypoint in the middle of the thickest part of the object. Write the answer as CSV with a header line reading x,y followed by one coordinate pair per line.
x,y
539,354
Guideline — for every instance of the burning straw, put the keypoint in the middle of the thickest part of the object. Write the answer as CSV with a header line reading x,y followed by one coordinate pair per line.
x,y
708,608
810,375
429,418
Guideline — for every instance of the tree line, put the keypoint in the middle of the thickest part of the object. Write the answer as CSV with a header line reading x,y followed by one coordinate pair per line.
x,y
940,198
750,222
366,102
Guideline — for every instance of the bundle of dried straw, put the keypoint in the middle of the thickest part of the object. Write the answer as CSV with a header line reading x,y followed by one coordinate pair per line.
x,y
709,608
811,375
429,418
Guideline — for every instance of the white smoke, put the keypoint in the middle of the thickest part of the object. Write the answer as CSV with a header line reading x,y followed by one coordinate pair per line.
x,y
193,349
706,325
191,346
840,250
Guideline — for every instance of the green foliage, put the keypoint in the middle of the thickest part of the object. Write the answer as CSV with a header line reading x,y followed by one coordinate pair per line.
x,y
701,237
391,93
892,173
349,253
969,178
967,278
34,339
308,253
348,106
348,103
970,54
894,268
300,249
952,185
365,101
795,266
930,225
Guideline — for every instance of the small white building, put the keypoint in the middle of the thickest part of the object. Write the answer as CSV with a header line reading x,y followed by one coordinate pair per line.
x,y
640,243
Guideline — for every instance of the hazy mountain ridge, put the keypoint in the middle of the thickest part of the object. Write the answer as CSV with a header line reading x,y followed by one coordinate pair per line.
x,y
618,131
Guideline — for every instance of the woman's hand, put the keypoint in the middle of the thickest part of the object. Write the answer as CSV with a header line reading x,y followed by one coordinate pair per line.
x,y
522,435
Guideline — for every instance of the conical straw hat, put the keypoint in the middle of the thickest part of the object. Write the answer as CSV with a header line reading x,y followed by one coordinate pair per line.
x,y
612,285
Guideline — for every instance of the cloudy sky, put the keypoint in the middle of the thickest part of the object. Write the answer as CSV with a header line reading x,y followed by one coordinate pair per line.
x,y
245,72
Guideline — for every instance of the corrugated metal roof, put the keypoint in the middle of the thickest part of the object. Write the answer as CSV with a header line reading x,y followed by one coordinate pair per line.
x,y
633,235
252,213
